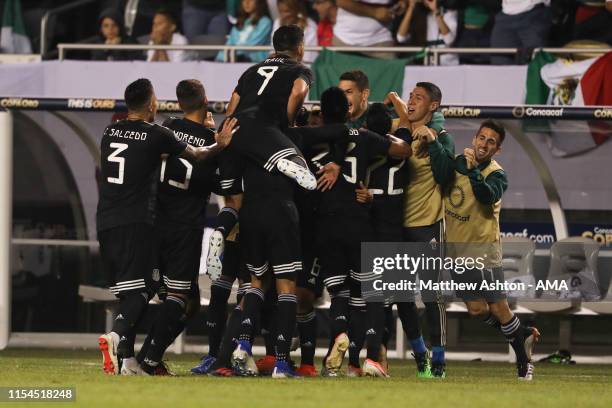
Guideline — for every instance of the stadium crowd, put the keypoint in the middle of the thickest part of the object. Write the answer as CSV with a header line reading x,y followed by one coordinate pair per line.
x,y
523,24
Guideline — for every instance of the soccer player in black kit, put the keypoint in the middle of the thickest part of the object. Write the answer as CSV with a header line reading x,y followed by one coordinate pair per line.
x,y
343,224
267,98
183,193
131,150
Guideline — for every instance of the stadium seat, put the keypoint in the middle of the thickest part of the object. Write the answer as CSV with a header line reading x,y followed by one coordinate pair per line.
x,y
573,260
605,280
517,264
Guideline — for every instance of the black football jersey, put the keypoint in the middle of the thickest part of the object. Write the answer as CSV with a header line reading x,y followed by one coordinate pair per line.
x,y
184,187
363,148
130,155
265,87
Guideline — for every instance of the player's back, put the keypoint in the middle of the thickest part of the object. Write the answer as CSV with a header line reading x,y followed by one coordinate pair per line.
x,y
387,177
184,187
363,147
265,88
130,155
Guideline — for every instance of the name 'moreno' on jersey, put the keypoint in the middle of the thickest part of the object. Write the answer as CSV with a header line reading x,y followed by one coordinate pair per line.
x,y
184,187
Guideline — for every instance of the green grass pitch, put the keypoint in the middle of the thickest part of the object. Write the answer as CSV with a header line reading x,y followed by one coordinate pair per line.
x,y
469,384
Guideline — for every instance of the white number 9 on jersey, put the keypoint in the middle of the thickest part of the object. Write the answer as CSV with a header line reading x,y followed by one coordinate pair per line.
x,y
267,73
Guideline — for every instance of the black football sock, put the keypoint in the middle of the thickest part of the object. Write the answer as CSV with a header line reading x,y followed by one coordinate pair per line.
x,y
171,313
307,326
268,322
375,325
241,291
389,323
409,316
339,313
514,332
285,324
356,334
253,300
175,331
142,353
491,320
228,342
131,310
216,317
226,220
436,322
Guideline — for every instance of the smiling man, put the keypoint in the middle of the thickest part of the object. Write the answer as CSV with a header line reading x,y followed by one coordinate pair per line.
x,y
472,203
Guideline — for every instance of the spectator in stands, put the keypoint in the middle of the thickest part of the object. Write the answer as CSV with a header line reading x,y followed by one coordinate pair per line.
x,y
204,17
594,20
327,10
113,32
360,24
477,20
253,27
441,28
294,12
164,31
520,24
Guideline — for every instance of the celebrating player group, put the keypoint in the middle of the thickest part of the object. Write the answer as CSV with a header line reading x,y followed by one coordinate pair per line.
x,y
301,191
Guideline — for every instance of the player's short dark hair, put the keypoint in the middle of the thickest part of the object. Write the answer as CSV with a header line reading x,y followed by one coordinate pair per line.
x,y
378,119
495,126
434,93
190,94
168,14
358,77
288,38
138,94
334,105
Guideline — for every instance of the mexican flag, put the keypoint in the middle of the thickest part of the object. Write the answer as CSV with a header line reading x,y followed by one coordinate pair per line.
x,y
556,81
13,38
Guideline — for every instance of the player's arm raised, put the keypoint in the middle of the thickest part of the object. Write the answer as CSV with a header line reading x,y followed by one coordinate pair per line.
x,y
398,148
233,103
296,98
222,140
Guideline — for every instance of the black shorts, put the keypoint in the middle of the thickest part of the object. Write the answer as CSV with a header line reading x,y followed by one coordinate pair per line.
x,y
339,241
178,252
265,143
432,235
387,219
476,277
270,237
232,266
128,259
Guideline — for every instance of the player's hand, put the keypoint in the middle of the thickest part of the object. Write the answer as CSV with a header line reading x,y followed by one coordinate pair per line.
x,y
390,98
470,158
363,194
431,4
425,134
401,109
209,121
328,176
224,137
